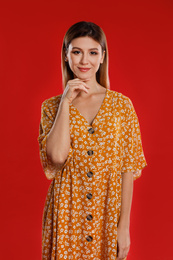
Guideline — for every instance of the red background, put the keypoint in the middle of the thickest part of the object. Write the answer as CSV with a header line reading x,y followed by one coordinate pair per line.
x,y
140,41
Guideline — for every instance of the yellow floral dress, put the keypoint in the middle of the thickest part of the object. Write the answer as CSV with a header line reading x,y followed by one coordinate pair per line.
x,y
83,202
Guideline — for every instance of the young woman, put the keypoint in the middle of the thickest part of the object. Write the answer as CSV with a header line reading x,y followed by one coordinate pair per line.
x,y
91,149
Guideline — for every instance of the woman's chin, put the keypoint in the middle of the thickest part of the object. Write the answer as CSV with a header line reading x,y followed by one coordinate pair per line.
x,y
84,78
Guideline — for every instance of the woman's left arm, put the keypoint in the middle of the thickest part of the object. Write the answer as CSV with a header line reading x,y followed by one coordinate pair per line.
x,y
123,235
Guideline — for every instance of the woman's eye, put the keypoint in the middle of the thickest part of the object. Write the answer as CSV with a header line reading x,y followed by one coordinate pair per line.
x,y
95,53
75,51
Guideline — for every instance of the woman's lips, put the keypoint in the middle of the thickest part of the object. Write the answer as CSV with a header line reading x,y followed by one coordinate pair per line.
x,y
84,69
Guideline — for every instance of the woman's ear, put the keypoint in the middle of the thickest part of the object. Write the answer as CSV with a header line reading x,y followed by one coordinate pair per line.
x,y
103,55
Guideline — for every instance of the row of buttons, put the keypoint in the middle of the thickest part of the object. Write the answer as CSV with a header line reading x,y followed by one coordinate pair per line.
x,y
89,195
89,217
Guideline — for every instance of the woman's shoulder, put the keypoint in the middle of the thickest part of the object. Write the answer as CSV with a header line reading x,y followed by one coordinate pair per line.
x,y
120,98
122,104
52,102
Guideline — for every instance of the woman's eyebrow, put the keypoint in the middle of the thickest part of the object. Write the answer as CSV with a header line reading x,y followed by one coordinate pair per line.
x,y
81,49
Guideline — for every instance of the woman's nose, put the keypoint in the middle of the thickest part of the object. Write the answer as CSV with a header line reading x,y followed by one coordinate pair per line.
x,y
84,59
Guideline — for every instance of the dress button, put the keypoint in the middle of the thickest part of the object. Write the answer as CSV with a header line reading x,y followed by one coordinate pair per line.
x,y
90,152
89,217
90,174
91,130
89,238
89,195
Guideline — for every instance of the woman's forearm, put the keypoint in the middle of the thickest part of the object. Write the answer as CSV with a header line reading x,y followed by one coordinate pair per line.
x,y
58,139
126,199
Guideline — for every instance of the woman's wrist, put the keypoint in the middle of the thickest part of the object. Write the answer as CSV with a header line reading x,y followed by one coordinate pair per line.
x,y
124,223
65,101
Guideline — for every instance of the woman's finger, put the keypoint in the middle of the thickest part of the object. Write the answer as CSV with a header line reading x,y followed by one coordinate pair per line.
x,y
76,81
80,87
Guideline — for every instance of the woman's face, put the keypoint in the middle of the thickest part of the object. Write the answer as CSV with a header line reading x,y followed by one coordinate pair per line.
x,y
84,52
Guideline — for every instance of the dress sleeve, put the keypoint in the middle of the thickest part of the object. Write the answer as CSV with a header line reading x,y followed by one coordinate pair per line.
x,y
46,123
133,155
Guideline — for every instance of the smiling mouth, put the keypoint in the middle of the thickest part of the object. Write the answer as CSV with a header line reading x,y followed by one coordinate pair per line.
x,y
83,69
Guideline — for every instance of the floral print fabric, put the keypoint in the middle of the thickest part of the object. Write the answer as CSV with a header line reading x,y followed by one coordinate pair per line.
x,y
83,203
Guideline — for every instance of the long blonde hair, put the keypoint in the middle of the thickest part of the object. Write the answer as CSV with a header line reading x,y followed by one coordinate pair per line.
x,y
92,30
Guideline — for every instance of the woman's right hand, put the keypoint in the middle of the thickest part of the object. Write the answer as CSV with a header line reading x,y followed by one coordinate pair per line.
x,y
72,89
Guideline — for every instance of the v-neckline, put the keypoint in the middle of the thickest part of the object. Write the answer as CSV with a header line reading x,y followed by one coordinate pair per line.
x,y
93,121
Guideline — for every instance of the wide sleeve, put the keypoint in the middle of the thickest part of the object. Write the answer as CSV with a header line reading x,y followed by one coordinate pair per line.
x,y
133,154
46,123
